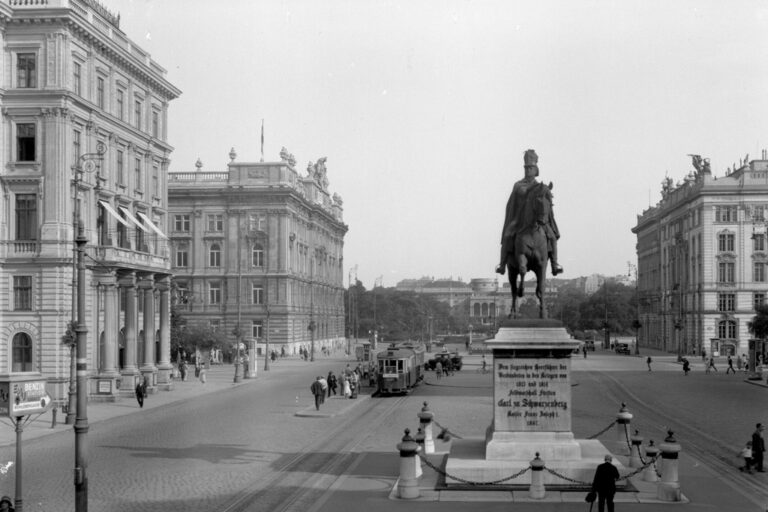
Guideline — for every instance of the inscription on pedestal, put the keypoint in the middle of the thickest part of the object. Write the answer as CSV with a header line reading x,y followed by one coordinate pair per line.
x,y
532,394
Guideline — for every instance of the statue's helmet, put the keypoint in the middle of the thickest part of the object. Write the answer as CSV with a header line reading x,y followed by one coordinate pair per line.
x,y
531,159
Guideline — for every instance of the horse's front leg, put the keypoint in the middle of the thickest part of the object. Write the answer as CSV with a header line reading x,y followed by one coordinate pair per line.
x,y
540,293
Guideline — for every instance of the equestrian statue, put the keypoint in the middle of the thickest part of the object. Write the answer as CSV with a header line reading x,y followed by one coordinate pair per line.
x,y
529,235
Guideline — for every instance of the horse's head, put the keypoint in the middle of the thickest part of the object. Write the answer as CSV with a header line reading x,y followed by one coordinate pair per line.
x,y
540,198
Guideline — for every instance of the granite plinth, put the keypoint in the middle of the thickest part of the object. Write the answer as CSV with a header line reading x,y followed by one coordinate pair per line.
x,y
525,446
467,462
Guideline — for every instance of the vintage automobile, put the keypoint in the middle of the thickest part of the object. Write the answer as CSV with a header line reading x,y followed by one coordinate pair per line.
x,y
443,357
623,348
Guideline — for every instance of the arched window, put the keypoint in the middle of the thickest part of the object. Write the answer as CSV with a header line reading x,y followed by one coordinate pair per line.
x,y
257,256
726,329
22,353
214,256
485,310
476,309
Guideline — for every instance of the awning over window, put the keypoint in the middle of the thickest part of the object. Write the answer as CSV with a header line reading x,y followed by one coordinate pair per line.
x,y
113,213
134,219
152,225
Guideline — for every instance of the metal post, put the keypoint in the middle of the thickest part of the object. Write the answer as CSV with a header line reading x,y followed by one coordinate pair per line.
x,y
19,474
266,346
72,404
81,421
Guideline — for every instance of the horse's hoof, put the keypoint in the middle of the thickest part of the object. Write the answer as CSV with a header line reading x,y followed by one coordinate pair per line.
x,y
500,269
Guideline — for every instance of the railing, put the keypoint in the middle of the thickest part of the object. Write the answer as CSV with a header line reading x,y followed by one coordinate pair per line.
x,y
198,176
20,249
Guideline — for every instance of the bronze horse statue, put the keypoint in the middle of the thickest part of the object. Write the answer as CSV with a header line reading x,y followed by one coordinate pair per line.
x,y
530,246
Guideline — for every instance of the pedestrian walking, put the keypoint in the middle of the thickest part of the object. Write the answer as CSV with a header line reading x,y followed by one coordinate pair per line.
x,y
686,366
604,484
711,365
324,384
758,447
739,363
584,349
317,391
703,355
141,392
730,366
746,454
203,374
332,384
183,371
6,505
439,369
648,361
347,390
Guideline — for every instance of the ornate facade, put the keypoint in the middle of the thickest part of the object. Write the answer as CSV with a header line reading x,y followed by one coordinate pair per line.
x,y
702,258
260,246
84,132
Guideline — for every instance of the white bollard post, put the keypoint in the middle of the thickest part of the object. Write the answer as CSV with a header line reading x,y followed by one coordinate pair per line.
x,y
419,438
634,457
537,490
669,486
623,419
407,484
425,421
649,475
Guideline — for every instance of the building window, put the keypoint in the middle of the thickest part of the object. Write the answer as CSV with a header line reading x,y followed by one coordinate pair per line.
x,y
758,213
726,272
216,223
725,214
257,294
726,302
214,324
100,92
120,168
137,173
182,257
140,243
726,329
22,353
256,329
214,292
122,232
120,104
758,242
26,70
22,293
76,147
155,181
76,77
155,123
758,272
214,256
181,223
726,242
137,113
758,299
25,142
257,256
26,217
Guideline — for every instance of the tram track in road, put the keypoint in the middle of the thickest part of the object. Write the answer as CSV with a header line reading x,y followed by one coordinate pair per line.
x,y
700,445
306,477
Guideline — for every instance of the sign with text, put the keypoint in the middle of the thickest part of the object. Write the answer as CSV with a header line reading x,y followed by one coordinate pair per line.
x,y
23,395
532,395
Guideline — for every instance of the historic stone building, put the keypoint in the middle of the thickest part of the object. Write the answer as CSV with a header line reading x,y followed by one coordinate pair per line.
x,y
701,260
84,131
260,245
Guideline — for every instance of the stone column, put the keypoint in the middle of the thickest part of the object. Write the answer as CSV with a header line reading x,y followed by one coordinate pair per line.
x,y
148,368
130,370
111,316
164,366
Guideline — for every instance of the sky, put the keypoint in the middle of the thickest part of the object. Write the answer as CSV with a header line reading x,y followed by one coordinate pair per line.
x,y
425,108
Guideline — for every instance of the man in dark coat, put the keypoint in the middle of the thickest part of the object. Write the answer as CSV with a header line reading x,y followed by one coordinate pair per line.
x,y
141,390
758,447
318,392
604,484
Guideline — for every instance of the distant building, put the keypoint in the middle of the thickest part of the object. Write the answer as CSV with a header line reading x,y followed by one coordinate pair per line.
x,y
448,290
702,258
260,245
85,113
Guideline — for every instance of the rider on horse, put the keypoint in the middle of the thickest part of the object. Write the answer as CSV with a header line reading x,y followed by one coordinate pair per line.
x,y
515,214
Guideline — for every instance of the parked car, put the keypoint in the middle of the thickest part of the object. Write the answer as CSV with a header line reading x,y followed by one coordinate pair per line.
x,y
623,348
443,357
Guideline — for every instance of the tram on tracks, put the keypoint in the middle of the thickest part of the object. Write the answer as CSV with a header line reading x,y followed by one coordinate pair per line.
x,y
400,367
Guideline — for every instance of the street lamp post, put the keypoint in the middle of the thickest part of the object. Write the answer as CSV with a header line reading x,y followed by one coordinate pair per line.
x,y
85,163
266,346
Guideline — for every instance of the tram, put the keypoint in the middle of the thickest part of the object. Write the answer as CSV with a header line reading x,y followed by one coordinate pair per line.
x,y
400,367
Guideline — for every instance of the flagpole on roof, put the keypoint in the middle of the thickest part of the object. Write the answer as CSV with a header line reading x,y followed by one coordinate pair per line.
x,y
262,139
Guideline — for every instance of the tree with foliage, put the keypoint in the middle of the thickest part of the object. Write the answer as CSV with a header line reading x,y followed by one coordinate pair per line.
x,y
758,326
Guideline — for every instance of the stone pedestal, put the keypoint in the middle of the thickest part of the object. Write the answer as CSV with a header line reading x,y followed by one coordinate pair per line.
x,y
531,413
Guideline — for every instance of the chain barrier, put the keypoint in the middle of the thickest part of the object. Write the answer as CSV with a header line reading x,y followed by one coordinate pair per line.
x,y
569,479
602,431
469,482
444,431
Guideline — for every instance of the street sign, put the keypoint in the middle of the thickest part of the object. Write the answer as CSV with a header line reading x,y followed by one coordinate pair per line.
x,y
22,395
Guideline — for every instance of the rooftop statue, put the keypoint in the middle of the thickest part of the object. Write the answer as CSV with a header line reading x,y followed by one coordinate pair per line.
x,y
529,235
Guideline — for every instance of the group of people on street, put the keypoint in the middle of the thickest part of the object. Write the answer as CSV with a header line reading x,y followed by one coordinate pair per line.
x,y
754,451
347,384
444,367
